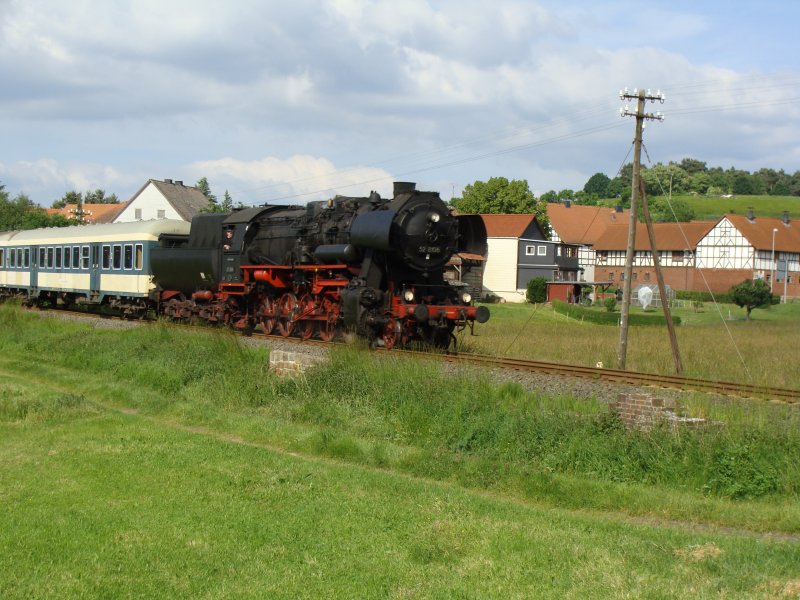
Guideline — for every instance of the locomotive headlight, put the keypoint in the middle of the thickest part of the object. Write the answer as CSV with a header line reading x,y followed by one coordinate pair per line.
x,y
434,217
408,296
466,297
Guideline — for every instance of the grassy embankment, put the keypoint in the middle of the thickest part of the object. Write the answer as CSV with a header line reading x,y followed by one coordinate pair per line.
x,y
371,477
714,207
715,342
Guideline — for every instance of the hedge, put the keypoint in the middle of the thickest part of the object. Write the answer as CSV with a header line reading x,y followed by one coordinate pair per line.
x,y
721,298
576,311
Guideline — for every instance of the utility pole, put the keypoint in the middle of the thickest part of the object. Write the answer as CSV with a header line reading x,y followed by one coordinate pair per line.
x,y
641,96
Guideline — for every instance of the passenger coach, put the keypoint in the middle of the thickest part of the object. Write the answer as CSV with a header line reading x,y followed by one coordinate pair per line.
x,y
84,264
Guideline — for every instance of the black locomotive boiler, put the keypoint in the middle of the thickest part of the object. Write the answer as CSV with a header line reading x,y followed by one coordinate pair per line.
x,y
369,265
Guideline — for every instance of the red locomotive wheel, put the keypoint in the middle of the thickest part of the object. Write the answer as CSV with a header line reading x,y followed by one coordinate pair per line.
x,y
305,322
391,332
268,317
287,305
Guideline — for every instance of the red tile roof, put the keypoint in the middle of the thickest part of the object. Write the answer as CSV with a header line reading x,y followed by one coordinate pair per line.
x,y
669,236
92,213
507,225
759,232
578,224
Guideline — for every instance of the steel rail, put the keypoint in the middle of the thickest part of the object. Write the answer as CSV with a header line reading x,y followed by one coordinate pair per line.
x,y
725,388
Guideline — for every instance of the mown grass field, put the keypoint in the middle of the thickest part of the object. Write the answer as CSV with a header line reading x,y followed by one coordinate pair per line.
x,y
162,462
763,206
714,207
715,342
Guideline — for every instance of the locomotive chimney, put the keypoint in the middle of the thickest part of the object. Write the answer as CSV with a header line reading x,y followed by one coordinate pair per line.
x,y
404,187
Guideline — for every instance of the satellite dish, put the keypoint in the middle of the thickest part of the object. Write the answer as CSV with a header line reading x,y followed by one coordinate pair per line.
x,y
645,296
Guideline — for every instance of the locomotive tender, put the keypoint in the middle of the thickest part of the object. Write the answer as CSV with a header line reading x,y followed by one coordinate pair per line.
x,y
370,265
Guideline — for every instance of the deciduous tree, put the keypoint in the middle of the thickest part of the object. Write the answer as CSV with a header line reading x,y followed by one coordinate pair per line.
x,y
750,294
501,196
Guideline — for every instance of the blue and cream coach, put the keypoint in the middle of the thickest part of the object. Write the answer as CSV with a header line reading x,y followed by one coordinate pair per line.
x,y
83,264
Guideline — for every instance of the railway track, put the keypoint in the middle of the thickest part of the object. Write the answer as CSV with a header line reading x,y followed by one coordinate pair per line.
x,y
710,386
723,388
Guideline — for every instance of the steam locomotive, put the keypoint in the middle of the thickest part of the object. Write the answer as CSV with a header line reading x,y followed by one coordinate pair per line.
x,y
369,265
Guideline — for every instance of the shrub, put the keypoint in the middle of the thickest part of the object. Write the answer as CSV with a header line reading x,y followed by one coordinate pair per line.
x,y
537,290
610,304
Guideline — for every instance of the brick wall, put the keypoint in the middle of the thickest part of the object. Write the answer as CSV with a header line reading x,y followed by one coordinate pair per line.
x,y
643,412
290,364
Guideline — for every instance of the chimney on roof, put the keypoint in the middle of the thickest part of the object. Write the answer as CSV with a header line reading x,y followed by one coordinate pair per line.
x,y
751,215
168,181
785,217
178,182
618,208
566,202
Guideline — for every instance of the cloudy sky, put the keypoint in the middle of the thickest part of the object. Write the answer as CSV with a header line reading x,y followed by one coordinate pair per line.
x,y
287,102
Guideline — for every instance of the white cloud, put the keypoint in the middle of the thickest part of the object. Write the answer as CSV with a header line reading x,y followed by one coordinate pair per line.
x,y
296,179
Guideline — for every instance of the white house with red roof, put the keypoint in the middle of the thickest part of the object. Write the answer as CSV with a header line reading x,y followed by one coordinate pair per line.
x,y
517,251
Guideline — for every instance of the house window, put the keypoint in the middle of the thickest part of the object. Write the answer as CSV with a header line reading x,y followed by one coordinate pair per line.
x,y
558,251
634,276
541,250
162,214
137,214
530,250
647,276
602,255
677,256
611,276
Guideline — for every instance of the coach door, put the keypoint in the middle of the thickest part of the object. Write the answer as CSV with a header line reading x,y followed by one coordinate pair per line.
x,y
94,269
34,266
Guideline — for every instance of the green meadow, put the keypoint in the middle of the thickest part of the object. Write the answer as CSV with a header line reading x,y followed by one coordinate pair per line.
x,y
715,341
168,463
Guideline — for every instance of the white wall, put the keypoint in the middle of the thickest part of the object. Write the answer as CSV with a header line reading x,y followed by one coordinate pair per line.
x,y
500,269
150,201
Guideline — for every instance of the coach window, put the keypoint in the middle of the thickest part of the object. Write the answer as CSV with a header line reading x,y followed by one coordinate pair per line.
x,y
76,257
42,261
67,257
27,260
117,256
106,257
2,258
128,256
85,257
12,257
50,257
139,254
58,257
